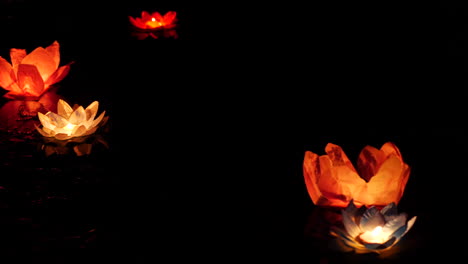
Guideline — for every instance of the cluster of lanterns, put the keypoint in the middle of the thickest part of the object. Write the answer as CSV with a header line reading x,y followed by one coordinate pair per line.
x,y
376,184
29,79
367,195
154,25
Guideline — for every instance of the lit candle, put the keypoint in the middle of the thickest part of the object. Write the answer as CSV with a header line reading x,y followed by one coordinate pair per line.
x,y
69,128
371,229
375,236
71,122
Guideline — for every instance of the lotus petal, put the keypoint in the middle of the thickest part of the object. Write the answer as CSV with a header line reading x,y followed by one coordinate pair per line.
x,y
136,22
371,246
390,176
58,75
145,16
409,225
42,60
64,109
45,121
351,227
391,149
57,120
377,247
7,77
369,161
62,136
169,17
157,16
371,219
17,56
389,210
90,131
344,171
98,120
351,209
42,132
78,116
389,243
311,170
338,156
54,52
79,131
91,110
403,180
29,80
394,224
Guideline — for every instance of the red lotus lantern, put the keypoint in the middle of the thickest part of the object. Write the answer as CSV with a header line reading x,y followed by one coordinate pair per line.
x,y
29,76
154,20
378,180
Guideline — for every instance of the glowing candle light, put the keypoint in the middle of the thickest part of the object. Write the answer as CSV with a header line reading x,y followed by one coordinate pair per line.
x,y
372,230
68,129
71,122
154,21
375,236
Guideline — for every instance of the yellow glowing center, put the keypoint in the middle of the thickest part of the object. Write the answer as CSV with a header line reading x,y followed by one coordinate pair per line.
x,y
154,23
69,128
376,236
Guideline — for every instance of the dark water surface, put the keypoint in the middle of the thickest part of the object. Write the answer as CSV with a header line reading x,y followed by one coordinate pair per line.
x,y
202,155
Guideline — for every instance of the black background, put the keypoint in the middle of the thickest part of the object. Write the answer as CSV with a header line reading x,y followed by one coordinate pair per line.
x,y
208,131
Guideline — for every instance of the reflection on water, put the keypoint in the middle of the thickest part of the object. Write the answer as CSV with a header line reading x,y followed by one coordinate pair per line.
x,y
59,193
155,34
79,145
20,116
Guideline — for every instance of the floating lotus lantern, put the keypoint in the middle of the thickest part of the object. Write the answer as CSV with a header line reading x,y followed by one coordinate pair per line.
x,y
332,180
154,20
29,76
71,122
370,229
154,25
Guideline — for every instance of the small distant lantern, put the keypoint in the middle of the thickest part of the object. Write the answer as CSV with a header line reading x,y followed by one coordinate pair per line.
x,y
154,20
71,122
332,180
154,25
29,76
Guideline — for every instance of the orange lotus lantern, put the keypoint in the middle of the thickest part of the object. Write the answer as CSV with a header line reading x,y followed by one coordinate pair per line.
x,y
379,178
29,76
154,20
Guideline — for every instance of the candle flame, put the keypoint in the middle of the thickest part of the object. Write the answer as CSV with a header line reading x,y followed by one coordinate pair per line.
x,y
69,128
377,235
377,231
